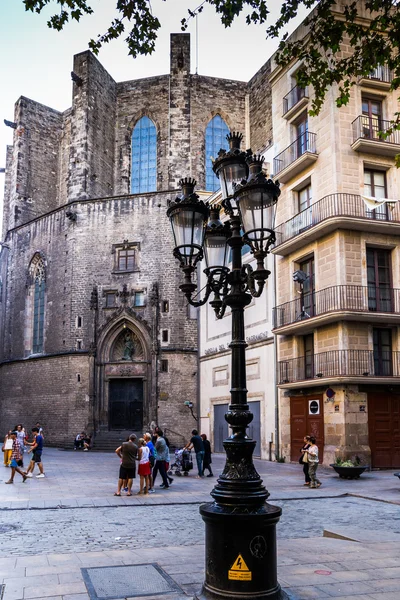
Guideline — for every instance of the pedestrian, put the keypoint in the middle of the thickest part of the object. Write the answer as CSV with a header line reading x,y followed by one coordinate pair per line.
x,y
312,454
16,459
79,441
167,461
152,459
7,449
161,456
36,459
22,437
207,455
303,460
87,442
38,425
144,469
128,452
197,443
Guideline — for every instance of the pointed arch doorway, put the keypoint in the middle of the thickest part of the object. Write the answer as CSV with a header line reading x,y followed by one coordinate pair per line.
x,y
125,377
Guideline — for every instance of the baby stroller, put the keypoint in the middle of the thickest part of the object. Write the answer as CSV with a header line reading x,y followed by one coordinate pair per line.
x,y
183,463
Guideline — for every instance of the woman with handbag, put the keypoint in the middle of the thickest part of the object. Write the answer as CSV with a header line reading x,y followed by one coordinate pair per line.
x,y
303,460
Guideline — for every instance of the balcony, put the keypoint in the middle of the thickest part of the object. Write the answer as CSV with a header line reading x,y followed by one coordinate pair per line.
x,y
344,211
344,302
380,79
339,365
294,102
296,157
367,137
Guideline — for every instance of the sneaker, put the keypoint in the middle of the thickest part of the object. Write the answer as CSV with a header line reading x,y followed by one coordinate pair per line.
x,y
125,489
28,475
86,449
210,475
40,476
152,491
171,481
164,487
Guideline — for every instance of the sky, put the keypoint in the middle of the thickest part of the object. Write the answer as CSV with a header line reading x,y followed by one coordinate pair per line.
x,y
37,61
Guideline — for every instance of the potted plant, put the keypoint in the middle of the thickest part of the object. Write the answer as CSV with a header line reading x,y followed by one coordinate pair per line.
x,y
349,469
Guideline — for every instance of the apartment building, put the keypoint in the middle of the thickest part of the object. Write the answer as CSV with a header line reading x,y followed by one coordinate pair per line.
x,y
337,311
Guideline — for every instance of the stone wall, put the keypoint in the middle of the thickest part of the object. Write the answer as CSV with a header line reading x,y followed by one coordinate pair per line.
x,y
34,167
259,110
91,156
47,390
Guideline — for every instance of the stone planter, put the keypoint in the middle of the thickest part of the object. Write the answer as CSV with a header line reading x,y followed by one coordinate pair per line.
x,y
349,472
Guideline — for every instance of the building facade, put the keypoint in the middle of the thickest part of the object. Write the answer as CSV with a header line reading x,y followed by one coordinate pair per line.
x,y
337,308
95,333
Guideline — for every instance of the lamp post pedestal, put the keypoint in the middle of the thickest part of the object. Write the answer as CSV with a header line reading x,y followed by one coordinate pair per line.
x,y
240,559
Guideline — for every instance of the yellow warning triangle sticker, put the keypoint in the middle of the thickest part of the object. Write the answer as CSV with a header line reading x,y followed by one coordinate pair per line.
x,y
239,564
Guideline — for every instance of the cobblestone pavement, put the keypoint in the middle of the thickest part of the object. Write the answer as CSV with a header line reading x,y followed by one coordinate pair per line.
x,y
180,525
50,528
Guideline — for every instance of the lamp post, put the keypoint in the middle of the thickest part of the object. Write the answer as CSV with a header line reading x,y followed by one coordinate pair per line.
x,y
241,558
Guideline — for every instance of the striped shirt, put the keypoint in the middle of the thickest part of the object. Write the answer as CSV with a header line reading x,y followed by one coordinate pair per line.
x,y
16,450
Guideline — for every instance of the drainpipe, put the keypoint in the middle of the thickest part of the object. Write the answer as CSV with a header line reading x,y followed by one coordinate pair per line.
x,y
276,394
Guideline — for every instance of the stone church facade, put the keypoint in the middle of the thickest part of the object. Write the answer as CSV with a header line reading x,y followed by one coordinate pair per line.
x,y
94,332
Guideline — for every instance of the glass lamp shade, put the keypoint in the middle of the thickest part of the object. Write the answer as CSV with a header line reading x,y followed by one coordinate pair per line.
x,y
216,250
188,227
230,172
257,207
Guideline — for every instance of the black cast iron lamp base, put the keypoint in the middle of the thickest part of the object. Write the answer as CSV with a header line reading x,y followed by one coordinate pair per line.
x,y
241,557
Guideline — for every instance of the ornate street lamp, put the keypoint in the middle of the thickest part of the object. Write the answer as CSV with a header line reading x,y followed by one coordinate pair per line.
x,y
241,558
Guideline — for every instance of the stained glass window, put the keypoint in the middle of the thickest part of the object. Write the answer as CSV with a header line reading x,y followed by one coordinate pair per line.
x,y
144,157
39,289
216,133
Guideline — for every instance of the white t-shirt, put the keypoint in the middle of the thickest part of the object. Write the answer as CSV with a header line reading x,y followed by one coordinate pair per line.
x,y
145,455
8,444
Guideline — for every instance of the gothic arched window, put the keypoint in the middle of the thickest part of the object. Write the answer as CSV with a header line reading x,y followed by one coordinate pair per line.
x,y
216,132
144,157
38,279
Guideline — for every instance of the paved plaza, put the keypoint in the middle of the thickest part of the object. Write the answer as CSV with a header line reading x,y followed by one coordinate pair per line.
x,y
341,541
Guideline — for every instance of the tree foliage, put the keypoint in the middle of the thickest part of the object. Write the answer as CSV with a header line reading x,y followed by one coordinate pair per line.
x,y
370,30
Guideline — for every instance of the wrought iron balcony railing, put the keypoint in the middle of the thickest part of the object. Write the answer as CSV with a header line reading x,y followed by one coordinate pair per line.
x,y
340,363
357,298
371,128
306,142
331,206
294,96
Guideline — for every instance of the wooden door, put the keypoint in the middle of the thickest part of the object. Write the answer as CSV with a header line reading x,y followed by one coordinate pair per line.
x,y
306,418
126,404
384,429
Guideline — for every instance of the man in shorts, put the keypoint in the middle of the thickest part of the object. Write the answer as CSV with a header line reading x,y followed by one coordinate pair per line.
x,y
16,459
128,452
37,449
